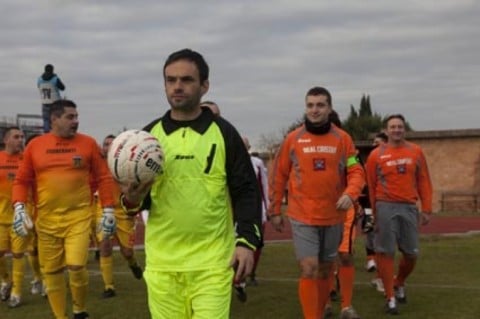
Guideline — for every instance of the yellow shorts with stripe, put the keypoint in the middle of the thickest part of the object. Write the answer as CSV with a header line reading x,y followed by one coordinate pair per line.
x,y
67,247
204,294
9,240
346,246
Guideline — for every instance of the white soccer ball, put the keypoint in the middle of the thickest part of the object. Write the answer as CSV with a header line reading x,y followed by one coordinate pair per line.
x,y
135,156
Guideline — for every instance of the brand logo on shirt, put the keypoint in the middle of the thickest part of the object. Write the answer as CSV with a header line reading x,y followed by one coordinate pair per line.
x,y
304,140
184,157
402,169
385,156
319,164
77,161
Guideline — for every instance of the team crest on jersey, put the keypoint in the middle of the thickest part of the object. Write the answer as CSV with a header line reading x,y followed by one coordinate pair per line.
x,y
401,168
319,164
10,176
77,161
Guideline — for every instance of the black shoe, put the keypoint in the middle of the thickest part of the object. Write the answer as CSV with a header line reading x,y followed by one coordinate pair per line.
x,y
108,293
137,271
81,315
334,295
240,292
97,255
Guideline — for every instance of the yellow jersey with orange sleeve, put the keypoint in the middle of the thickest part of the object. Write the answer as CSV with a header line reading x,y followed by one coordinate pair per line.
x,y
399,174
61,172
8,167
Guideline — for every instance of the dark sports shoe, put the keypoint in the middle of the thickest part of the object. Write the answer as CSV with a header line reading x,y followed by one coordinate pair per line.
x,y
81,315
400,294
5,290
108,293
328,312
391,307
137,271
334,295
252,281
240,291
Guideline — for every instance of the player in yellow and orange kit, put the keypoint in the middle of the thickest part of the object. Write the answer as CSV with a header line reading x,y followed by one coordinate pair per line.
x,y
125,236
60,166
10,158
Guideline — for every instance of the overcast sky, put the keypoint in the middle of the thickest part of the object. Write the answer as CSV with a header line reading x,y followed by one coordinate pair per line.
x,y
419,58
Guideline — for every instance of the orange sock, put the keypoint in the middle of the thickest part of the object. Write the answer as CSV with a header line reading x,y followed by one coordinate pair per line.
x,y
308,292
346,276
405,268
386,271
323,294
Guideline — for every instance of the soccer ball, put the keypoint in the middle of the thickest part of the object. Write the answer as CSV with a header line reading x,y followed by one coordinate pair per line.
x,y
135,156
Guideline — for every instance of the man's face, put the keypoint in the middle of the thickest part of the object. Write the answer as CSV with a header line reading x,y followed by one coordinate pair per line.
x,y
14,141
317,109
395,130
67,124
182,86
106,145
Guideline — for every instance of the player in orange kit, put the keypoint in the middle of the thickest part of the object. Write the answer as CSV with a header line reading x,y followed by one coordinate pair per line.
x,y
59,166
319,162
398,177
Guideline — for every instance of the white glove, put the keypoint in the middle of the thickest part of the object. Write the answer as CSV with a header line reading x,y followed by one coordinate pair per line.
x,y
108,223
21,221
344,202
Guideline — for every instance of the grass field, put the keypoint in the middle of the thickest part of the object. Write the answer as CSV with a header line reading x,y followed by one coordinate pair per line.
x,y
445,285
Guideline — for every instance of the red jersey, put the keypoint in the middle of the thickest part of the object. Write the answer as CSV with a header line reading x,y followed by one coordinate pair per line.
x,y
399,174
319,168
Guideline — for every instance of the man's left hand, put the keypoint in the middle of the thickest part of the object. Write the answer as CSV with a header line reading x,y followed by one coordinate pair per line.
x,y
344,202
425,218
242,261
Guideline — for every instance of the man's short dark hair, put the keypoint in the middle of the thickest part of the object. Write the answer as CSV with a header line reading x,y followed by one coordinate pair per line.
x,y
8,130
58,107
382,136
317,90
192,56
109,136
393,116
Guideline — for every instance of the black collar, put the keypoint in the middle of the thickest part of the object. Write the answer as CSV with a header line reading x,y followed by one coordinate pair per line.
x,y
200,124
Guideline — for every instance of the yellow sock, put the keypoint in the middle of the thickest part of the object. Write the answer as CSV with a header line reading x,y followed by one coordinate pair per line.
x,y
18,270
78,288
4,277
35,265
57,294
106,267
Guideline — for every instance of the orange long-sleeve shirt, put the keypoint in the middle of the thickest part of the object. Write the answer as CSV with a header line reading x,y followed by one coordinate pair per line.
x,y
399,174
8,169
60,172
318,169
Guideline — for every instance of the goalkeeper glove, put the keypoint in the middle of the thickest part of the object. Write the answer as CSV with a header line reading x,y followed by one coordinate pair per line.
x,y
108,222
368,221
21,221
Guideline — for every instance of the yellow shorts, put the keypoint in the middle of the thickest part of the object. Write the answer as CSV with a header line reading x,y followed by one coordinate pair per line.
x,y
125,234
346,246
32,241
202,294
9,240
69,248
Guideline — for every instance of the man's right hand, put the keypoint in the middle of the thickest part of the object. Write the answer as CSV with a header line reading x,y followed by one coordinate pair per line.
x,y
277,222
135,193
21,221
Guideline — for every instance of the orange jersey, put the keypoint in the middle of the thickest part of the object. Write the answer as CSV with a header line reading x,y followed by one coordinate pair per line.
x,y
399,174
8,168
319,168
60,171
